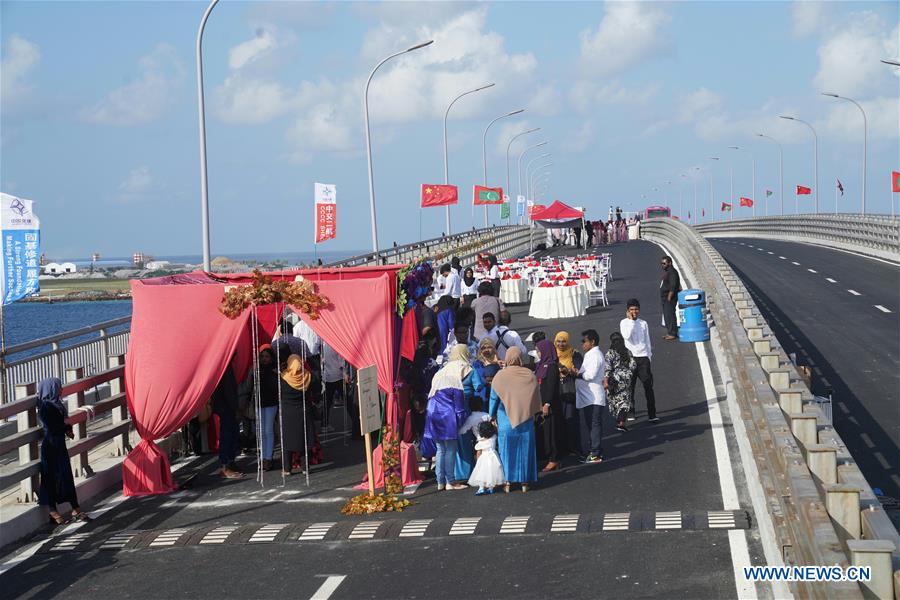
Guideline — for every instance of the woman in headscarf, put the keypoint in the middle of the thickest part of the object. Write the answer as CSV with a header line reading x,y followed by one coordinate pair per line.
x,y
487,365
445,313
515,400
620,367
446,412
57,482
298,434
268,401
469,287
456,265
553,429
569,363
494,274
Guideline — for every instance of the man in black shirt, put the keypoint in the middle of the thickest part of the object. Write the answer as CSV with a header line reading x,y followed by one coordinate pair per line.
x,y
669,287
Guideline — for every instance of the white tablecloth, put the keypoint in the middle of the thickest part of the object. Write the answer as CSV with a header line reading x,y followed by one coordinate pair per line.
x,y
559,302
514,291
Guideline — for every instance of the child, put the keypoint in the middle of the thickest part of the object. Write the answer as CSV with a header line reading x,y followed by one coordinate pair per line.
x,y
488,471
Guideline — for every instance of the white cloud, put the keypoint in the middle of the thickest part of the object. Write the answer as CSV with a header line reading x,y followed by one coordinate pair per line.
x,y
505,132
546,101
808,17
845,121
246,52
136,184
629,33
19,59
145,99
849,58
698,104
582,138
585,94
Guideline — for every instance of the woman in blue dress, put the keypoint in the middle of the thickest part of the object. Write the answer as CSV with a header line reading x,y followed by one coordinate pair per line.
x,y
487,363
515,400
473,387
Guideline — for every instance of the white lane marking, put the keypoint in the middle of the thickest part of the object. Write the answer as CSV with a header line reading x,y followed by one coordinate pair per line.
x,y
793,262
616,521
854,292
563,523
266,533
415,528
218,535
770,253
464,526
365,530
782,257
668,520
69,542
882,309
737,539
327,589
830,280
118,541
316,531
721,519
514,525
865,437
168,538
812,270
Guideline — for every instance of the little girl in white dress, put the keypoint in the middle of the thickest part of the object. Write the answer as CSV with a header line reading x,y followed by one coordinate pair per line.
x,y
488,472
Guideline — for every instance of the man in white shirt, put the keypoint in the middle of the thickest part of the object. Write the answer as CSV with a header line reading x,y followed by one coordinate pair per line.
x,y
451,283
305,333
637,340
504,338
590,397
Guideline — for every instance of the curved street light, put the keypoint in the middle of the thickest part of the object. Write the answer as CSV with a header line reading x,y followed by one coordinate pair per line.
x,y
753,182
528,168
508,146
815,160
712,213
369,139
780,170
537,172
865,145
446,163
484,153
519,163
204,191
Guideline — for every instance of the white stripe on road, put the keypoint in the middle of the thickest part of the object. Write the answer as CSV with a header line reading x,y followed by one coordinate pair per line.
x,y
854,292
812,270
793,262
514,525
616,521
782,258
830,280
464,526
771,253
563,523
365,530
882,309
415,528
327,589
316,531
267,533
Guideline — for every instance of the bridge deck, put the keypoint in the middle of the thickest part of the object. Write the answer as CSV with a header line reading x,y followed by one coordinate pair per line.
x,y
236,539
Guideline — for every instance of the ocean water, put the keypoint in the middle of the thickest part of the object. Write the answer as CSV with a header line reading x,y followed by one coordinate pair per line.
x,y
27,321
291,258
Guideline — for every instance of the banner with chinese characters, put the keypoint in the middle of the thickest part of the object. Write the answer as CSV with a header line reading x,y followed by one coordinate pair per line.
x,y
20,267
326,212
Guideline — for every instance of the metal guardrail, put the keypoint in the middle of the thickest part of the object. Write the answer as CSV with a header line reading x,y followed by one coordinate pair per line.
x,y
29,433
877,236
823,510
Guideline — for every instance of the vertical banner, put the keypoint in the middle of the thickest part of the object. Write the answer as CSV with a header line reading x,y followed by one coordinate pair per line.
x,y
504,208
21,246
326,212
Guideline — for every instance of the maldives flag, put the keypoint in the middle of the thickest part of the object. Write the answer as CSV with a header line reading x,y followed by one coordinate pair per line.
x,y
802,190
746,201
486,195
438,195
726,207
768,193
895,181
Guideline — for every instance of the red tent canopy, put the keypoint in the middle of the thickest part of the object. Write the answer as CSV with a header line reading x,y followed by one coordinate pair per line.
x,y
181,344
557,211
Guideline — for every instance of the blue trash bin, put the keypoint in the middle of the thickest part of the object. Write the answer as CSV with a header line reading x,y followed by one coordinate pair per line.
x,y
692,316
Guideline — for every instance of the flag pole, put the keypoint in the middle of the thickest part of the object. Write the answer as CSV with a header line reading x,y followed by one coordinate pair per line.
x,y
2,357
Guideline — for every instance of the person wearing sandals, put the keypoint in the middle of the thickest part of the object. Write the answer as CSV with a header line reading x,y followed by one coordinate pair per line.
x,y
57,482
515,400
618,372
553,428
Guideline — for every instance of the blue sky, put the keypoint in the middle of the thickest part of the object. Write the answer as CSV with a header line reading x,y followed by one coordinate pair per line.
x,y
99,111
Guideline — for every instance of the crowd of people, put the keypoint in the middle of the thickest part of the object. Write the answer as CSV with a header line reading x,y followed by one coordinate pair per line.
x,y
594,233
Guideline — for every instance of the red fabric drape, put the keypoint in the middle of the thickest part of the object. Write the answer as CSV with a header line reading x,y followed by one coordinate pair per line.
x,y
181,344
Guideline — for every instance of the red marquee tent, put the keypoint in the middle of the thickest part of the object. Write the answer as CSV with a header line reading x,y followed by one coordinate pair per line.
x,y
181,344
558,214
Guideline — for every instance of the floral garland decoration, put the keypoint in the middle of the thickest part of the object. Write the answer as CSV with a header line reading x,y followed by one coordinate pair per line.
x,y
302,295
364,504
413,280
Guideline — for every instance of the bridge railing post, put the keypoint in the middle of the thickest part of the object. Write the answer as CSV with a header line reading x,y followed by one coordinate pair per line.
x,y
25,420
80,464
120,413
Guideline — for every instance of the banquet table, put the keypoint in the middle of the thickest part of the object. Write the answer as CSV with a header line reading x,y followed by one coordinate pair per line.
x,y
514,291
559,302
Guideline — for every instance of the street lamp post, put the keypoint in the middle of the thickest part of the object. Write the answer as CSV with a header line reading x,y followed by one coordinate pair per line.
x,y
527,168
681,197
712,212
780,171
204,191
446,161
753,178
484,153
865,144
815,159
519,163
696,173
369,140
532,179
508,146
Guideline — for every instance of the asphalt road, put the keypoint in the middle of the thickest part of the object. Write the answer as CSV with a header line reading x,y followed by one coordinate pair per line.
x,y
840,313
666,466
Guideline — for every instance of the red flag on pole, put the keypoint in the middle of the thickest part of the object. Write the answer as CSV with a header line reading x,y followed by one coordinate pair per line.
x,y
895,181
746,201
438,195
486,195
326,212
802,190
726,207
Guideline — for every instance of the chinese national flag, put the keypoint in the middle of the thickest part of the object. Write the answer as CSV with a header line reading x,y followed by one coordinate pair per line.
x,y
746,201
895,181
486,195
438,195
802,190
726,207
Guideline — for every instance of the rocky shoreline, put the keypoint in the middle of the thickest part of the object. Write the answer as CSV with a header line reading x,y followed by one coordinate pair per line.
x,y
80,296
